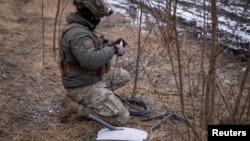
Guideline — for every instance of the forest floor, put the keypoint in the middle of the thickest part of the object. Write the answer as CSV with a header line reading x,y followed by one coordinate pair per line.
x,y
31,89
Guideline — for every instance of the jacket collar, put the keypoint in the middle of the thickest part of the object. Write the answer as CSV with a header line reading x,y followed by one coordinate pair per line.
x,y
76,18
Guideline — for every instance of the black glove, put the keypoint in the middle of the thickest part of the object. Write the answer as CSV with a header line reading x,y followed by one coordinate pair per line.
x,y
119,50
119,44
119,40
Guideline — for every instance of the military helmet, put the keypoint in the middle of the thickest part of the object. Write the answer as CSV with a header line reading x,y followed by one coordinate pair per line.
x,y
96,7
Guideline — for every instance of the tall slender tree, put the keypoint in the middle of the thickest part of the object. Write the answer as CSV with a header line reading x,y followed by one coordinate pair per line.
x,y
43,30
55,27
210,83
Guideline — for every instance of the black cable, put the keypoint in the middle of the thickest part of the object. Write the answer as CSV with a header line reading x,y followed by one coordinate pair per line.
x,y
133,103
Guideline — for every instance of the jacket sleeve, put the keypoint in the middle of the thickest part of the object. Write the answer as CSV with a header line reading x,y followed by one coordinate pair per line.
x,y
89,54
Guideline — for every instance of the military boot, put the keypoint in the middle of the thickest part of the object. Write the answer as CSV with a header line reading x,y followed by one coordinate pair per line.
x,y
68,108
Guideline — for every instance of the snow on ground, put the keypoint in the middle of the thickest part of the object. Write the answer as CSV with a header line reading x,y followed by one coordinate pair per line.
x,y
233,20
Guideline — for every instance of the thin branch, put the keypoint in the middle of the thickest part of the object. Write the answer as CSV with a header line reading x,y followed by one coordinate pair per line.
x,y
138,51
55,31
209,94
239,98
43,30
60,19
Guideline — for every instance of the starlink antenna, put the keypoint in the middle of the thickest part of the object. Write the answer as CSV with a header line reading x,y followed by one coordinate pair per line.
x,y
118,133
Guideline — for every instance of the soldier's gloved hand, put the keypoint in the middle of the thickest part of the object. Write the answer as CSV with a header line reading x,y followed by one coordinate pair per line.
x,y
119,50
120,41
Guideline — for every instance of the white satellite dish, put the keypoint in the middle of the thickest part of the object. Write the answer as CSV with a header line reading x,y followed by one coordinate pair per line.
x,y
122,134
118,133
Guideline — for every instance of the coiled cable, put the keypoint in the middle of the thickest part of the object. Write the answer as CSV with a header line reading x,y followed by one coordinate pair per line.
x,y
136,107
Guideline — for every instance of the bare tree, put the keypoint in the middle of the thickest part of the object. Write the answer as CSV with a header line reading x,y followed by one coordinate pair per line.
x,y
62,11
55,27
210,80
43,29
139,48
240,94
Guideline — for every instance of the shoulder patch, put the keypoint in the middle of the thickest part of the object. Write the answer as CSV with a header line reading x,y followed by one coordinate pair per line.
x,y
88,43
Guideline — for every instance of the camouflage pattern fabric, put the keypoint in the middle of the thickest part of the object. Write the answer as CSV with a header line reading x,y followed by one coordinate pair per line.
x,y
99,100
116,79
81,48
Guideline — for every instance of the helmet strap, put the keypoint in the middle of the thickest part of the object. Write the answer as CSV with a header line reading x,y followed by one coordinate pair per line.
x,y
87,15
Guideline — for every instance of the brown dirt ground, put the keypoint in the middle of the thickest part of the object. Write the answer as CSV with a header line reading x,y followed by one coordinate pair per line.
x,y
30,88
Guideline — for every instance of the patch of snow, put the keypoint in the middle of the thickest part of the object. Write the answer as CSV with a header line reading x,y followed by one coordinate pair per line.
x,y
192,11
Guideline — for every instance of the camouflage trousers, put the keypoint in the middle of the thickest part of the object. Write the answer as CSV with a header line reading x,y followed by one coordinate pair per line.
x,y
99,100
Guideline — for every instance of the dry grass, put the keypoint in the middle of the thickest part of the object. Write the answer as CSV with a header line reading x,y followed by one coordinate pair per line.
x,y
30,90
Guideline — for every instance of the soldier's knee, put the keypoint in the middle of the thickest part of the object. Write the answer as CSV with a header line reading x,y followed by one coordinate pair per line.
x,y
125,75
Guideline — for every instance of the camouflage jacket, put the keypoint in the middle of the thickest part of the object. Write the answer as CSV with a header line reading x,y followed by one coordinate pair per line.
x,y
84,58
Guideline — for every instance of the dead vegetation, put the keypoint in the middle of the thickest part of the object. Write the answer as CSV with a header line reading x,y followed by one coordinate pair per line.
x,y
30,90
